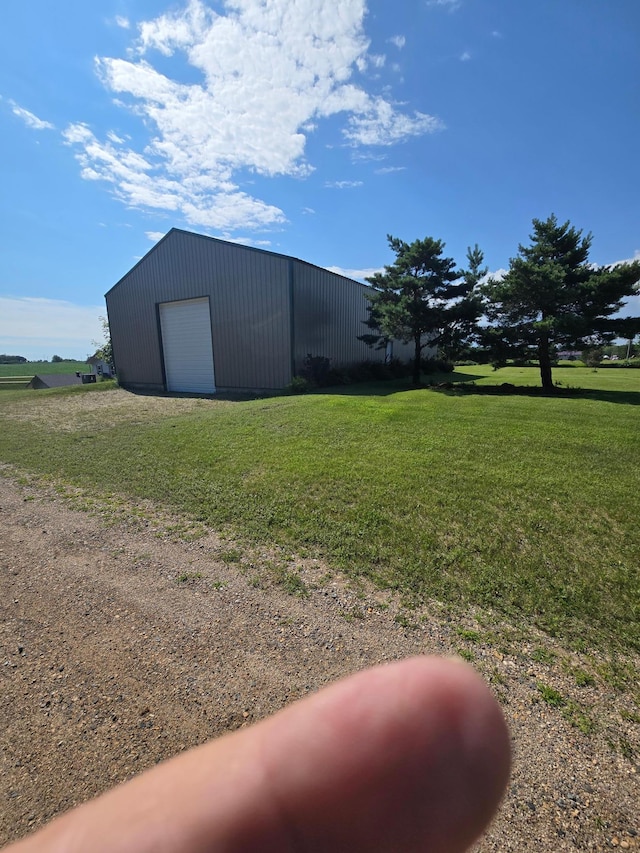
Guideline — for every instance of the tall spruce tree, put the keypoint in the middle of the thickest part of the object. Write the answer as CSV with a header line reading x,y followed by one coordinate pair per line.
x,y
553,298
421,298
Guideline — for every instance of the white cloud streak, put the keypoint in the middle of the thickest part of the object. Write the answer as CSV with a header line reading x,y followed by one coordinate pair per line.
x,y
269,74
30,119
249,241
465,56
399,41
342,185
357,274
450,5
39,328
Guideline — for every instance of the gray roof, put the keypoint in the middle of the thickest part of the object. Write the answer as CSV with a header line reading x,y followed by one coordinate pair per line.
x,y
54,380
255,249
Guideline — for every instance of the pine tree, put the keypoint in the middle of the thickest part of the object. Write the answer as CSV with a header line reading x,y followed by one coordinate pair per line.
x,y
421,298
553,298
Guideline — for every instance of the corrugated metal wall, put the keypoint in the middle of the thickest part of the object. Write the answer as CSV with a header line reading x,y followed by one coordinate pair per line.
x,y
328,312
262,306
249,293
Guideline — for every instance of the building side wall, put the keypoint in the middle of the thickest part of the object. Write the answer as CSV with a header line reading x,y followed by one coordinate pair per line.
x,y
250,319
329,311
404,352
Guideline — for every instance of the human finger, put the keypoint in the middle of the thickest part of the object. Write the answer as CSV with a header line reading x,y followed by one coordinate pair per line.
x,y
409,756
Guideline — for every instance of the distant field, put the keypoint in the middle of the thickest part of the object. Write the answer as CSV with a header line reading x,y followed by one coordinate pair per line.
x,y
16,377
30,368
526,504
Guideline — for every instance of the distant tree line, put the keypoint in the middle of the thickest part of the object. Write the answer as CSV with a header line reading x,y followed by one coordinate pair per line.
x,y
551,299
19,359
12,359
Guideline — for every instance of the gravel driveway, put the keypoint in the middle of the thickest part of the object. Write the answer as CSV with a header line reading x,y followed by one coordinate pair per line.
x,y
123,644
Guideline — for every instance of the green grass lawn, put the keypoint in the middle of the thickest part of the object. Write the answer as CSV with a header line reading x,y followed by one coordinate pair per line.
x,y
602,378
30,368
526,504
16,377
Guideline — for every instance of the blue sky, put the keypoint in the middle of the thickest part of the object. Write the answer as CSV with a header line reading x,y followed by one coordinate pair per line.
x,y
312,128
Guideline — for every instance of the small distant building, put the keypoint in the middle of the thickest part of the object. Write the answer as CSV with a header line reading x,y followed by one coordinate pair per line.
x,y
199,315
569,355
99,366
54,380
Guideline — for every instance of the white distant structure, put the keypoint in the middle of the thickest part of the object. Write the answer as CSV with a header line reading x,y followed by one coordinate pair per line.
x,y
100,367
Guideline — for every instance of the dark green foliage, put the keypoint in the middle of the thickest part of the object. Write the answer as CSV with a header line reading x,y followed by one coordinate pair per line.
x,y
424,299
318,373
436,365
12,359
299,385
56,359
315,368
592,357
553,298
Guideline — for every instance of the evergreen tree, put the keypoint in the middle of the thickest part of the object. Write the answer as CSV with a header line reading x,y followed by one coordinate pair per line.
x,y
553,298
421,298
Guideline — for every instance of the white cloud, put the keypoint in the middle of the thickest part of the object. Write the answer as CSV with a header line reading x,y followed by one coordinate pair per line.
x,y
359,275
387,170
496,34
451,5
30,119
399,41
39,328
123,22
248,241
308,210
154,236
380,124
359,156
631,307
636,257
342,185
465,56
204,137
497,275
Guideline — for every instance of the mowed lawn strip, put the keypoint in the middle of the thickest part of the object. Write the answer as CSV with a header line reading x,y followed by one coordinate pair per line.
x,y
30,368
523,504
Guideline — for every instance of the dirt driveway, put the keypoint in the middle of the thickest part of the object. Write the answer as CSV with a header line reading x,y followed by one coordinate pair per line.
x,y
122,645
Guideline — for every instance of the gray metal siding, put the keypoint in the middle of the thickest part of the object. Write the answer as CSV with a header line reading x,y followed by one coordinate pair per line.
x,y
260,303
404,352
249,294
329,311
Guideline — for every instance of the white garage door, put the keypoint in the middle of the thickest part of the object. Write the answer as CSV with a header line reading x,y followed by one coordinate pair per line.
x,y
187,347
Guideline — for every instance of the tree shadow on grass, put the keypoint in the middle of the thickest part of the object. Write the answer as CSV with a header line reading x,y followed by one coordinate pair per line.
x,y
385,387
506,389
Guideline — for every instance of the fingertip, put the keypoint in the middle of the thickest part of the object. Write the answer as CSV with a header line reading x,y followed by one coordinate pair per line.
x,y
409,756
